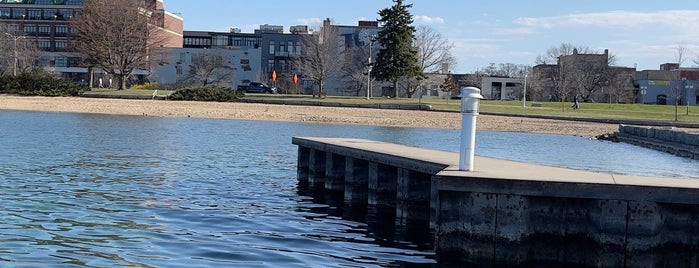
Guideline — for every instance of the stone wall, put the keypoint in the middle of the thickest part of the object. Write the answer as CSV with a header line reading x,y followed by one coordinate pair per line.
x,y
667,139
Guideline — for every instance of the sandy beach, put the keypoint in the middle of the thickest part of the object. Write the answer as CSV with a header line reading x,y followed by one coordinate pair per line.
x,y
329,115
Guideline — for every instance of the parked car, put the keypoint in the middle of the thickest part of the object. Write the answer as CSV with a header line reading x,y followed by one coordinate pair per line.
x,y
257,87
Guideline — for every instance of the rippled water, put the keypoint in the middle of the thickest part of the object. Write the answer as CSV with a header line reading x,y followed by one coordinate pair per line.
x,y
107,191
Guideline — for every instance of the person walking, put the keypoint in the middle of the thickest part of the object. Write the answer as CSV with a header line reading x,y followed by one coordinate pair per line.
x,y
576,103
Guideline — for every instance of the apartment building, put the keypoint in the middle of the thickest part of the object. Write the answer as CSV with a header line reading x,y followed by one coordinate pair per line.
x,y
277,51
48,24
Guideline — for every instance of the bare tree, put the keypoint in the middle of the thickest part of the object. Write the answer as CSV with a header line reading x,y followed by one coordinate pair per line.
x,y
210,67
321,53
18,53
117,45
355,69
433,55
564,49
434,50
536,86
472,80
676,90
620,85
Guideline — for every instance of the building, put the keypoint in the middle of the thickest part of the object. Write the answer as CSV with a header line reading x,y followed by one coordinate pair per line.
x,y
278,51
239,65
586,75
669,85
47,22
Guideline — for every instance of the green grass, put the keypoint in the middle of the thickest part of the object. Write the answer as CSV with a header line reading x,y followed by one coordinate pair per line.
x,y
665,113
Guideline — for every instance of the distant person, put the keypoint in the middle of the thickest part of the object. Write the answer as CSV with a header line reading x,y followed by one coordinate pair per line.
x,y
576,103
110,82
100,83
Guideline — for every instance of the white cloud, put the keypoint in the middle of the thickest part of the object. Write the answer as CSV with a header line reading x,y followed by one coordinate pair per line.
x,y
428,19
686,19
310,22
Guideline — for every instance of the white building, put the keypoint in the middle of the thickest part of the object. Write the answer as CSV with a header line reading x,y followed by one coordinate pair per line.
x,y
175,67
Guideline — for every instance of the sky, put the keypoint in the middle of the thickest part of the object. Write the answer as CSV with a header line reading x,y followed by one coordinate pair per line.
x,y
641,34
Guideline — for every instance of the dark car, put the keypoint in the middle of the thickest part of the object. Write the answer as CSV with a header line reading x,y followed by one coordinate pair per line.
x,y
257,87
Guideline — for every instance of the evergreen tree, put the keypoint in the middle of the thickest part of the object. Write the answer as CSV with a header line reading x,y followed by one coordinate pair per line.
x,y
397,57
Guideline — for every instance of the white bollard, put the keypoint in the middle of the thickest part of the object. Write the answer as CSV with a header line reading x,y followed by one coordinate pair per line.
x,y
470,98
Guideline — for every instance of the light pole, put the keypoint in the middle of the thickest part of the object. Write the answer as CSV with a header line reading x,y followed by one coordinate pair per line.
x,y
524,95
14,38
372,38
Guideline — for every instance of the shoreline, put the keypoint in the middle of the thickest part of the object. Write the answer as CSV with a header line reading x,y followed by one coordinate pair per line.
x,y
308,114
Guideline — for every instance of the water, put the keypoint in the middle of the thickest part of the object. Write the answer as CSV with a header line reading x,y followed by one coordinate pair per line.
x,y
105,191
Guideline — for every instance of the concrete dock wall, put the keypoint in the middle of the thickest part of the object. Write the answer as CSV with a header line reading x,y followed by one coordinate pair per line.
x,y
667,139
509,213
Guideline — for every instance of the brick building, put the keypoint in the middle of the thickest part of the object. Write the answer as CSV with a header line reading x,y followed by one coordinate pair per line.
x,y
47,23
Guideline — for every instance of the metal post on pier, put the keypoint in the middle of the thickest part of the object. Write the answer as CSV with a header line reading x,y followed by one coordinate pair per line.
x,y
470,98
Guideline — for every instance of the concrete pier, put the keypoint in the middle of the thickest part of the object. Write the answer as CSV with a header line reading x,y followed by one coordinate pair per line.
x,y
507,213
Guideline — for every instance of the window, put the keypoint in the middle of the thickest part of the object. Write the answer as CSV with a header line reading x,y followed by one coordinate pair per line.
x,y
61,30
34,14
19,13
61,45
289,47
271,47
44,30
30,29
270,65
45,44
61,61
65,14
298,48
49,13
245,64
220,41
4,13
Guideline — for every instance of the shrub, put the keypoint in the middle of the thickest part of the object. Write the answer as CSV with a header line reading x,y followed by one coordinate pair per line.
x,y
147,86
211,93
39,83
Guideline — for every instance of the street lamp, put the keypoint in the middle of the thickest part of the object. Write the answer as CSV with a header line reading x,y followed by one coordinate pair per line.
x,y
372,38
15,38
524,95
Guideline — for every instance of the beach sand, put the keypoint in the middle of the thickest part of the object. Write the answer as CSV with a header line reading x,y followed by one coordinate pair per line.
x,y
291,113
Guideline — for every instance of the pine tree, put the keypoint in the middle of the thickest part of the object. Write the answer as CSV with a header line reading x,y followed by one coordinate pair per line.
x,y
397,57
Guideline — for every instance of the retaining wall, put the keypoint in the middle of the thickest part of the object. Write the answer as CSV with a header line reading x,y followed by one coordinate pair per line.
x,y
667,139
505,213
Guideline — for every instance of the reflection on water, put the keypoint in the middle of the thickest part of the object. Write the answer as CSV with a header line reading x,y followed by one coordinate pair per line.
x,y
105,191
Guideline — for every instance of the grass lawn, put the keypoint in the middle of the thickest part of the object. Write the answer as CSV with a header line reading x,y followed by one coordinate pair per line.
x,y
587,110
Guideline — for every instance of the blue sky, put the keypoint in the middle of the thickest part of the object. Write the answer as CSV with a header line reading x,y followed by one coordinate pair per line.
x,y
644,34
